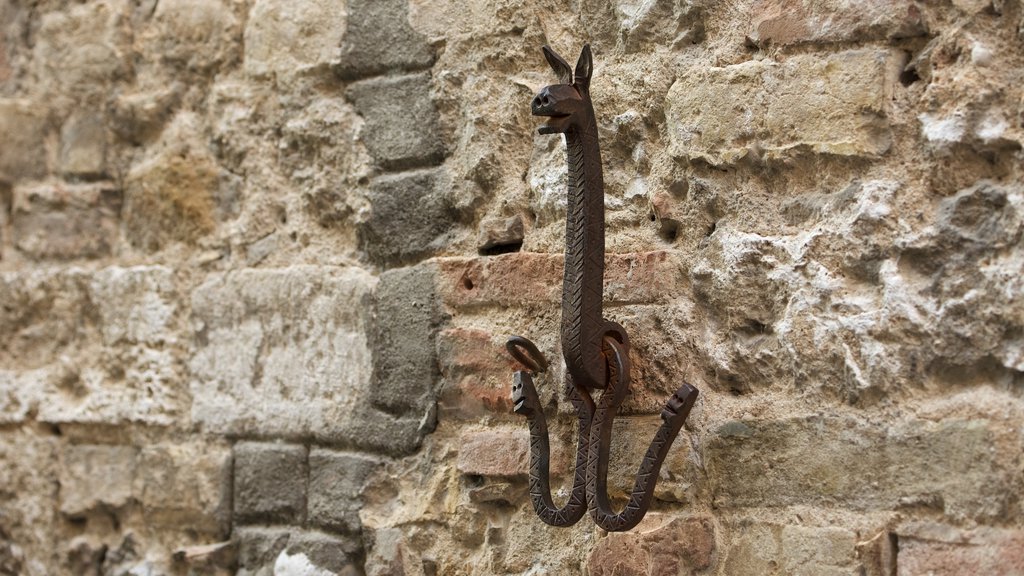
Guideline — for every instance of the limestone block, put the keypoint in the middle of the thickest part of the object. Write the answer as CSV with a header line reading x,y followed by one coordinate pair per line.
x,y
82,49
41,315
281,352
136,305
401,127
834,104
65,221
662,545
196,35
270,483
769,548
949,466
336,481
285,38
379,39
83,147
186,485
23,130
28,499
782,22
95,478
409,217
170,198
406,320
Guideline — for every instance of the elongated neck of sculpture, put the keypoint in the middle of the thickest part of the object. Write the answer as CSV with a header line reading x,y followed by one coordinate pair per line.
x,y
583,280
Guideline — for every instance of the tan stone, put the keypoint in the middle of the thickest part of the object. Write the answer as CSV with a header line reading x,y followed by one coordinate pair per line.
x,y
23,130
186,485
785,22
96,478
66,221
827,105
283,38
169,198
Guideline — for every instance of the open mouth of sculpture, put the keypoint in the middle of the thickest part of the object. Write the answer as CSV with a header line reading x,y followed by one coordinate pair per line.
x,y
556,124
518,405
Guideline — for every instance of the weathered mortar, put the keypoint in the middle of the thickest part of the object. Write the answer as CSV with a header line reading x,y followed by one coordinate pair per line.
x,y
258,259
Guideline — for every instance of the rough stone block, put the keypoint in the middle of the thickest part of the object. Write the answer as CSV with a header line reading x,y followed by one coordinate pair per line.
x,y
775,549
951,466
401,127
195,35
65,221
379,39
83,147
266,551
186,485
336,481
23,130
500,453
20,393
283,38
96,478
499,235
406,321
807,103
170,198
783,22
41,315
135,305
270,483
941,550
282,352
28,499
81,49
409,217
661,546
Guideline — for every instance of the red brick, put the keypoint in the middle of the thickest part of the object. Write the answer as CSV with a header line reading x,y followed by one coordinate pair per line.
x,y
477,373
526,278
940,550
675,546
505,452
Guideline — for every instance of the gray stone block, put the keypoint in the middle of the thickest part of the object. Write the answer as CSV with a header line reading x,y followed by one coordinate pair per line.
x,y
268,551
379,39
270,483
401,129
408,317
410,217
335,486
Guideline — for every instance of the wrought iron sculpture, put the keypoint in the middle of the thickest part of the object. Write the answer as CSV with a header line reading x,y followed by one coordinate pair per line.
x,y
596,350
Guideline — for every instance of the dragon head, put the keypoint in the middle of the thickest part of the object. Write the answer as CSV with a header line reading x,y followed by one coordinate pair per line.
x,y
524,395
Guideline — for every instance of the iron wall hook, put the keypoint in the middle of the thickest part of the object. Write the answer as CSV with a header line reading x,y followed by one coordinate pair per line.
x,y
596,350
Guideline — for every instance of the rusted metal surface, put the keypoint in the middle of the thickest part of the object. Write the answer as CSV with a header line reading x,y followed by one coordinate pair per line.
x,y
596,350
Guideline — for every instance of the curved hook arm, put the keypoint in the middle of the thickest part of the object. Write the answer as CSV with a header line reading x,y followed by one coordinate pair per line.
x,y
527,403
532,359
673,416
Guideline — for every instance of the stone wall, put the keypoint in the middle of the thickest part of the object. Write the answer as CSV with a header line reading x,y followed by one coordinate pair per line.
x,y
259,259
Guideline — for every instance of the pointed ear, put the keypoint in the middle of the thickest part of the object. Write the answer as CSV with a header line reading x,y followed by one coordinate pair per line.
x,y
584,68
559,65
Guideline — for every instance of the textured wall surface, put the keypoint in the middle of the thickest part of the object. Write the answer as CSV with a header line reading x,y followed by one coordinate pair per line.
x,y
258,259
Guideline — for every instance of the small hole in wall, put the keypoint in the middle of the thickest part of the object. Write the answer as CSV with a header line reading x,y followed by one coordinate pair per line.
x,y
467,283
652,216
894,551
711,229
669,231
474,480
909,76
